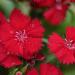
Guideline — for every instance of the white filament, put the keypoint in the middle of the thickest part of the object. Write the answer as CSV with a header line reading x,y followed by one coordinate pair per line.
x,y
21,35
70,44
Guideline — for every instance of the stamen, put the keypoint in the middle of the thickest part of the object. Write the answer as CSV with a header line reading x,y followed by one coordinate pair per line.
x,y
70,44
21,36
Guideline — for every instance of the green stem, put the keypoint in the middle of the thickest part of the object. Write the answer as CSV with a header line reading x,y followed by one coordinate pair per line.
x,y
24,69
45,40
13,71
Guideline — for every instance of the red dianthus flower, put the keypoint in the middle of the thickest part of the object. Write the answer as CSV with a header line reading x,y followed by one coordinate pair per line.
x,y
21,35
64,49
45,69
6,59
56,14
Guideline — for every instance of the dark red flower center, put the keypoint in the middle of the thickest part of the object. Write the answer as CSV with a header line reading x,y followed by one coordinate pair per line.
x,y
70,44
36,57
21,36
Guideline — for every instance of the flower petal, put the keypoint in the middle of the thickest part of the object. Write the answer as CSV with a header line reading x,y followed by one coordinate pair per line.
x,y
14,47
70,33
32,72
3,54
36,29
11,61
18,19
55,42
48,69
32,45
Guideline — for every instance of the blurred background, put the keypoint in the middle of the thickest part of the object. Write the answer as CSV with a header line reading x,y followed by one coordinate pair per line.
x,y
6,6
